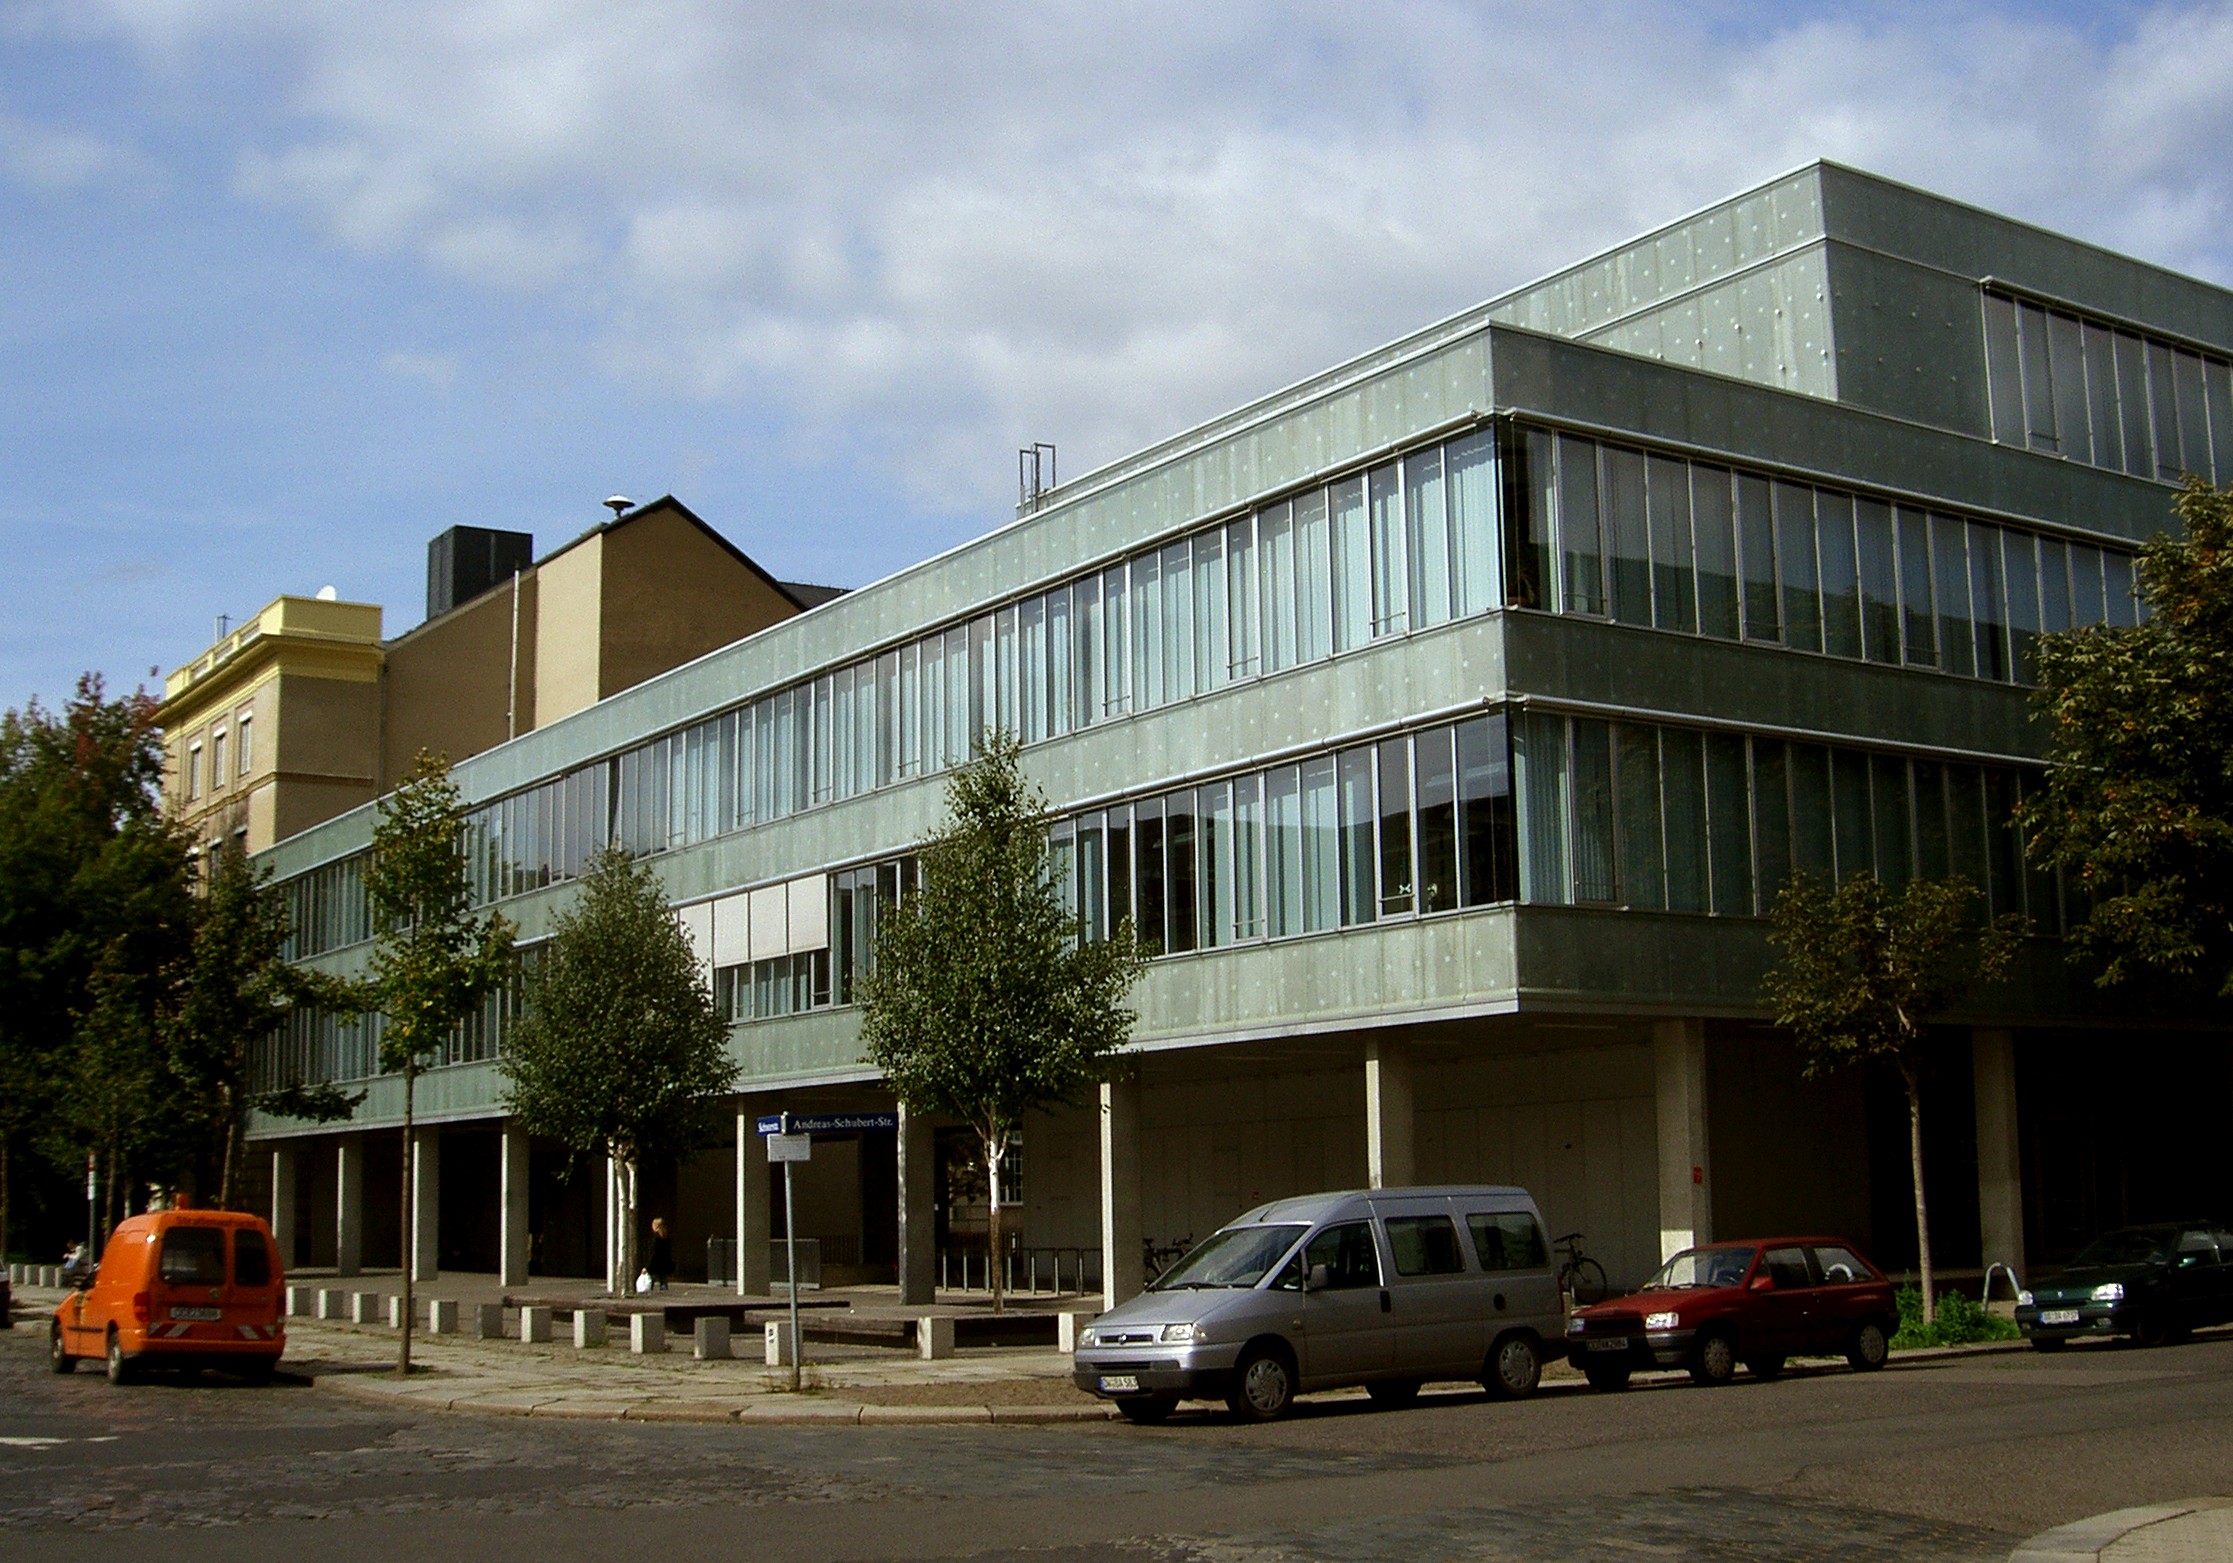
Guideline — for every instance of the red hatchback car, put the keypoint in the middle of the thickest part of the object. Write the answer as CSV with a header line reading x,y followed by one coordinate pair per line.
x,y
1757,1302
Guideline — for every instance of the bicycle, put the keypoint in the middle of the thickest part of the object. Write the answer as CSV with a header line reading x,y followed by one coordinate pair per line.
x,y
1156,1258
1580,1277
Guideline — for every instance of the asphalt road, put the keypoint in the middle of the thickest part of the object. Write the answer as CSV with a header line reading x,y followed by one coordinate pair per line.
x,y
1950,1460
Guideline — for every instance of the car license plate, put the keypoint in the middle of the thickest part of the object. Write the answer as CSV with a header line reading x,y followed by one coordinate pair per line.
x,y
1608,1345
198,1315
1120,1383
2059,1316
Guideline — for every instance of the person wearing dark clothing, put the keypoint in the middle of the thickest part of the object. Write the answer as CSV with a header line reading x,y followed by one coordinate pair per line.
x,y
661,1262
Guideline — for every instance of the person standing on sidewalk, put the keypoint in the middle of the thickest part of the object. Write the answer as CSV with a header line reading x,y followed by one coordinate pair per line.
x,y
661,1262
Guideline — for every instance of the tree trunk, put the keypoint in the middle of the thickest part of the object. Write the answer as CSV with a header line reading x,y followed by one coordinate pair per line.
x,y
4,1149
225,1179
996,1149
1922,1207
410,1148
624,1236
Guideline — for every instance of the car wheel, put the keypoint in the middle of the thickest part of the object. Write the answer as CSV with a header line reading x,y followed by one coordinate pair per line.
x,y
258,1370
2048,1343
120,1366
57,1358
1263,1385
1393,1393
1147,1410
1764,1367
1515,1368
1868,1348
1611,1377
1714,1361
2149,1332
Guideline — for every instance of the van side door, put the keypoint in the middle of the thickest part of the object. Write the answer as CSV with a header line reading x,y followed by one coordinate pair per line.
x,y
1440,1302
1346,1334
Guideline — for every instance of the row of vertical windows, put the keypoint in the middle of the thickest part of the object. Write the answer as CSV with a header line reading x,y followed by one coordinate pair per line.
x,y
315,1045
1450,530
1418,823
782,985
327,908
1699,548
1675,819
2077,387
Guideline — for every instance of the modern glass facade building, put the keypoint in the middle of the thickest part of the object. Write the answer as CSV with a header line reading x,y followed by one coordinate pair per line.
x,y
1449,721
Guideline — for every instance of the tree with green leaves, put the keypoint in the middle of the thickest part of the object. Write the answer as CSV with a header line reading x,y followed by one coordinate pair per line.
x,y
620,1050
236,987
983,1003
433,958
2138,805
1863,973
93,880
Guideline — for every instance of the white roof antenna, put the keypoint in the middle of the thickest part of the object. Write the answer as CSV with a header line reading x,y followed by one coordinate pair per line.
x,y
619,503
328,594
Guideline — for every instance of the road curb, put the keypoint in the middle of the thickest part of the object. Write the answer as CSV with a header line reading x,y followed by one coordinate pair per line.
x,y
803,1413
2084,1541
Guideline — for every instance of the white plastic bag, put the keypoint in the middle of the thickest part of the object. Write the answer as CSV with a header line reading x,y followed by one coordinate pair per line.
x,y
643,1282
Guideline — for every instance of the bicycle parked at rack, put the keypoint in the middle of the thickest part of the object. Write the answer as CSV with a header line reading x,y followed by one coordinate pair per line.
x,y
1155,1258
1579,1276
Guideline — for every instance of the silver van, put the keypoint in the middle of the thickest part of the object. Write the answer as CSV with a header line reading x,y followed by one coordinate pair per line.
x,y
1387,1288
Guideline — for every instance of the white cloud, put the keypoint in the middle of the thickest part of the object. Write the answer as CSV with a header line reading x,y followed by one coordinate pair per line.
x,y
48,159
437,370
945,231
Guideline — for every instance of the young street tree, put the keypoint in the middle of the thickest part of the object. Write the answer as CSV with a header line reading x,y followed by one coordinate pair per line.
x,y
433,960
983,1003
620,1049
1863,972
2139,797
236,986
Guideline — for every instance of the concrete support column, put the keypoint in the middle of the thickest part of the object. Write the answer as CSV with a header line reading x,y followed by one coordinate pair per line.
x,y
752,1204
348,1206
1685,1165
283,1202
613,1278
2000,1187
1121,1233
918,1213
1391,1121
426,1204
512,1243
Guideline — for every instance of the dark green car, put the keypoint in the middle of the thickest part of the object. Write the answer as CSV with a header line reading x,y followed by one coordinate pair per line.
x,y
2153,1283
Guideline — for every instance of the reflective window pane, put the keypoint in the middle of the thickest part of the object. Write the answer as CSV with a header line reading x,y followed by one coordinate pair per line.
x,y
1627,535
1395,826
1477,567
1841,581
1427,538
1713,525
1438,822
1729,824
1581,561
1682,756
1757,553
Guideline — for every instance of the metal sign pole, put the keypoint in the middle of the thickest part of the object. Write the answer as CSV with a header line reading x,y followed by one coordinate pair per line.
x,y
791,1259
92,1213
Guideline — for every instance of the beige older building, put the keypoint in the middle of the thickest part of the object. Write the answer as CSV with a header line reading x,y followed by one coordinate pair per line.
x,y
305,711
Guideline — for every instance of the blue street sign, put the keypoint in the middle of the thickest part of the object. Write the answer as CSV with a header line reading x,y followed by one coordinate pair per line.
x,y
829,1123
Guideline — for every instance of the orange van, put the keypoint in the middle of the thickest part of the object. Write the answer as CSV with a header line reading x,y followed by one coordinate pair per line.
x,y
178,1288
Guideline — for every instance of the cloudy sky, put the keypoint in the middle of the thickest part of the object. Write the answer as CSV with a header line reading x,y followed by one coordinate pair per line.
x,y
285,289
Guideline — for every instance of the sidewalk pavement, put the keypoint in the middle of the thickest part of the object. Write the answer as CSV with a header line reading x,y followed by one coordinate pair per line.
x,y
2197,1530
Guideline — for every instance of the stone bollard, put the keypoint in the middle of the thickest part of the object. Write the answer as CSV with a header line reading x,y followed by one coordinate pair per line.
x,y
534,1324
710,1338
15,1275
50,1277
333,1304
364,1307
647,1334
395,1313
488,1321
441,1316
782,1347
934,1337
1067,1328
589,1327
301,1301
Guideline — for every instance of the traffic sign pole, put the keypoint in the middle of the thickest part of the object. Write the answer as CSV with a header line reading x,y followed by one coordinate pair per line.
x,y
791,1259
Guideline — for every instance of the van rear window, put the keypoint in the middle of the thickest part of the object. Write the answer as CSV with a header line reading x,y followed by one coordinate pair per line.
x,y
192,1256
251,1258
1508,1241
